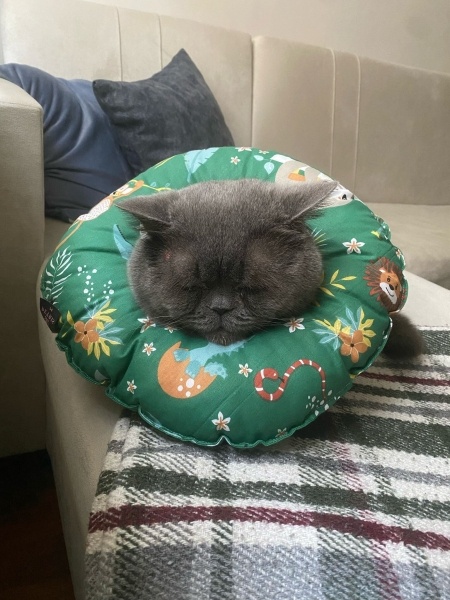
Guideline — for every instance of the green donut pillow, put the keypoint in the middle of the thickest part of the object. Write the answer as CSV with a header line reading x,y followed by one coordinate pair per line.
x,y
259,390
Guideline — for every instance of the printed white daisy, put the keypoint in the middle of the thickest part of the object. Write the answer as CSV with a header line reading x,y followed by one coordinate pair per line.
x,y
235,160
149,348
245,370
353,246
294,325
221,423
244,149
146,323
131,386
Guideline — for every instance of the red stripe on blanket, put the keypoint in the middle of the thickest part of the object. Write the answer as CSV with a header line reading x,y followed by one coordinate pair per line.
x,y
404,379
137,515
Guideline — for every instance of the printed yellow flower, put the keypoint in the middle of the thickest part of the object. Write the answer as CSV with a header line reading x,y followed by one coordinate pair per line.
x,y
353,344
86,333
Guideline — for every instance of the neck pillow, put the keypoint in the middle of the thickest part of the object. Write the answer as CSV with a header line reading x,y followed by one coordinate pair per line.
x,y
256,391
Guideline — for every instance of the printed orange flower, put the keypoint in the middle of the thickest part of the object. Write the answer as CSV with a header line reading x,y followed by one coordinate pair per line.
x,y
86,333
353,344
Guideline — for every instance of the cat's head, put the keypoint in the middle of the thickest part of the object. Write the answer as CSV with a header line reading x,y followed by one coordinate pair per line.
x,y
224,259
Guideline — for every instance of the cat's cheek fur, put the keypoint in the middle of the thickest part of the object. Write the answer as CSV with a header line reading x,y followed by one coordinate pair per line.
x,y
141,275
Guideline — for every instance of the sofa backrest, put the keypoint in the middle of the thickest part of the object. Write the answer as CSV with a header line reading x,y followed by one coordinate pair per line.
x,y
381,129
75,39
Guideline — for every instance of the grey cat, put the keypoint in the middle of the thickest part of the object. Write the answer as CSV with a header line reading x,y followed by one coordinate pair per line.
x,y
226,259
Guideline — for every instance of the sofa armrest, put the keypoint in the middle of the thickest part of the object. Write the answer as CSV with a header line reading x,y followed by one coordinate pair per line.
x,y
22,413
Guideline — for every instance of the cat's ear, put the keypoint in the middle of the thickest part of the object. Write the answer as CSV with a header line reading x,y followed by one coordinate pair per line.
x,y
302,200
152,211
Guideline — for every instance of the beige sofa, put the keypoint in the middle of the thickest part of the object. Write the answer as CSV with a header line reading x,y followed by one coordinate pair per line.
x,y
381,129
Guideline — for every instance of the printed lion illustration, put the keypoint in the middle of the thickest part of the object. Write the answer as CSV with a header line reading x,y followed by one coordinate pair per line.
x,y
385,279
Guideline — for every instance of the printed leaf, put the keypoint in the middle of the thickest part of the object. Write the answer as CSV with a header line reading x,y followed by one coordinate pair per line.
x,y
327,340
112,329
124,247
269,167
369,333
338,285
160,164
196,158
54,283
70,319
105,347
104,319
333,277
258,157
360,315
348,278
97,351
327,292
351,318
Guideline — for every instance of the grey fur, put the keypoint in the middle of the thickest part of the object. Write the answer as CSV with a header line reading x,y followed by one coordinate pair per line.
x,y
225,259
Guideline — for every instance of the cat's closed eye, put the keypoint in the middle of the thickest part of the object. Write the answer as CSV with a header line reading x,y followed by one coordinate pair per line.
x,y
194,287
246,291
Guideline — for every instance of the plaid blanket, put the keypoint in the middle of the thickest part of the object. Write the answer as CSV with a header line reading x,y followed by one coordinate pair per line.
x,y
355,506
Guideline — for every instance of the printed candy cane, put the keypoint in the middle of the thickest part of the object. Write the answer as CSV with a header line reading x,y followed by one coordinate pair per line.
x,y
272,374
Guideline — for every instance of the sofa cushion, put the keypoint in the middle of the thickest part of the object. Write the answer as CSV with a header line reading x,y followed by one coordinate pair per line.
x,y
171,112
82,159
259,390
431,224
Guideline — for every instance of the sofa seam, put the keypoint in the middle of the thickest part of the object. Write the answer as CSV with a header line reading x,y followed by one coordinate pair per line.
x,y
358,110
252,132
160,43
119,32
333,113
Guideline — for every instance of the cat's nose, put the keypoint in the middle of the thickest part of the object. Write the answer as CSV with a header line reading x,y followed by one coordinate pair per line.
x,y
220,310
221,304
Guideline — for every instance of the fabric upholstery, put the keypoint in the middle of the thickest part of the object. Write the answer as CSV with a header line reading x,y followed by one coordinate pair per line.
x,y
22,423
425,237
225,59
379,129
171,112
66,39
82,159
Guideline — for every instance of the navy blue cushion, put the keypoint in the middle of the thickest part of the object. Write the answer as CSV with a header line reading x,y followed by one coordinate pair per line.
x,y
83,161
